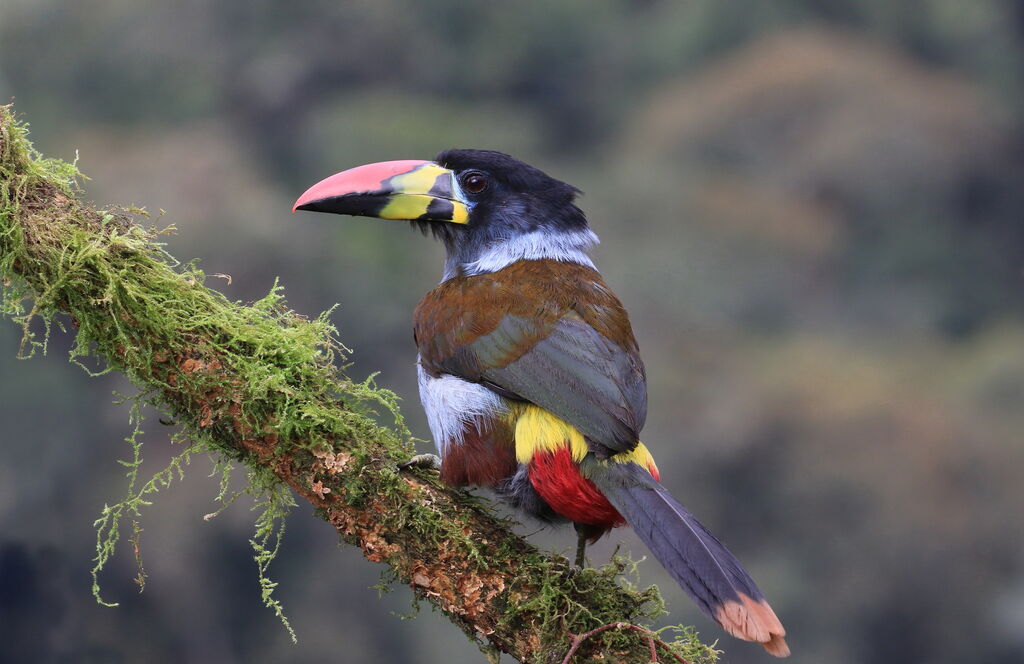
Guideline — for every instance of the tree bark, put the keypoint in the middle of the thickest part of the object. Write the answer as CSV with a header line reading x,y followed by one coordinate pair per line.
x,y
259,384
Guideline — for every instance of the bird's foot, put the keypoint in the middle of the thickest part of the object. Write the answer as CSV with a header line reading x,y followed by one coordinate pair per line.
x,y
581,550
585,533
428,461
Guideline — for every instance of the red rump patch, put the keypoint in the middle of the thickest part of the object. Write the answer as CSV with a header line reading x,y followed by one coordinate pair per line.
x,y
557,479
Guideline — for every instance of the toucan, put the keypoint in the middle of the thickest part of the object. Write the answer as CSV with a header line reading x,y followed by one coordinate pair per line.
x,y
529,372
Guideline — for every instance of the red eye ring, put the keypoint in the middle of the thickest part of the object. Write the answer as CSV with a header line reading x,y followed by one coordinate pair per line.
x,y
474,182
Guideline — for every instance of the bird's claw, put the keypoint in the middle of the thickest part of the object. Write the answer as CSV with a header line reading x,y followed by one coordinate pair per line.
x,y
428,461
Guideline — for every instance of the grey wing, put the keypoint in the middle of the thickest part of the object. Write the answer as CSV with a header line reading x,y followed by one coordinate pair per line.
x,y
574,372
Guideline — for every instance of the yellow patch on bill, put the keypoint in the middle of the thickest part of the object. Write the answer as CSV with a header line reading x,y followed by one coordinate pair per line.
x,y
413,195
419,180
405,206
460,213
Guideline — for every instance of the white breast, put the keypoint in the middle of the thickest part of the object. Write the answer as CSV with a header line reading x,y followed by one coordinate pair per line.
x,y
451,403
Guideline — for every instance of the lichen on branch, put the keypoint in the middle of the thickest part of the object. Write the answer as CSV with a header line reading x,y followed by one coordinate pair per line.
x,y
259,386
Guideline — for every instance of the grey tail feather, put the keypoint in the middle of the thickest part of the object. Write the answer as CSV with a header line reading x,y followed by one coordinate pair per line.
x,y
694,557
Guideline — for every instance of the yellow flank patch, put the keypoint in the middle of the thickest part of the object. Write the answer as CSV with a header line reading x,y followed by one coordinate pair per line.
x,y
537,430
640,456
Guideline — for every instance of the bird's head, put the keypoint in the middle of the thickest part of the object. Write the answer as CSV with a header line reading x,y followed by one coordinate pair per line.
x,y
488,208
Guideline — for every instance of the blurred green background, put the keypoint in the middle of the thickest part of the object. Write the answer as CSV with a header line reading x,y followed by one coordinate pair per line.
x,y
812,210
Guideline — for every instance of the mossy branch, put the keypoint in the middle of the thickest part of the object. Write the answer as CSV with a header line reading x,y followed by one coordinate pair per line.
x,y
259,385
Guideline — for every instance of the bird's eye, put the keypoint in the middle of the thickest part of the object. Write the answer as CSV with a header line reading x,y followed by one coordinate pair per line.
x,y
474,183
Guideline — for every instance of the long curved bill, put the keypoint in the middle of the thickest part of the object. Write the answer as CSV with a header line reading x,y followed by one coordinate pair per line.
x,y
408,189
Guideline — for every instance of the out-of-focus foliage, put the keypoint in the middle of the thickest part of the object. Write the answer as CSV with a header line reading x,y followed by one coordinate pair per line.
x,y
811,209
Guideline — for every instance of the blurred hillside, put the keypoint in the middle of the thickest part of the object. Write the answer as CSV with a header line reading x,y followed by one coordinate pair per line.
x,y
811,209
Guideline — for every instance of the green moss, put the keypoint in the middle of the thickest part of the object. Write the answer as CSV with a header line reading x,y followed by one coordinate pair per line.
x,y
152,319
570,601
